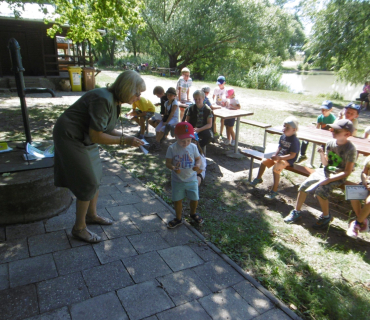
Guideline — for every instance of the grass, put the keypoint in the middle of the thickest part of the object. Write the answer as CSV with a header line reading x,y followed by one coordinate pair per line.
x,y
319,275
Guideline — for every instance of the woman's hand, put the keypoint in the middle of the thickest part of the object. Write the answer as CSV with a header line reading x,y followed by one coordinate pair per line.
x,y
133,142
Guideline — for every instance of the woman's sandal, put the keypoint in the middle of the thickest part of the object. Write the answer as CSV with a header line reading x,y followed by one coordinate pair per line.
x,y
99,220
174,223
87,236
197,218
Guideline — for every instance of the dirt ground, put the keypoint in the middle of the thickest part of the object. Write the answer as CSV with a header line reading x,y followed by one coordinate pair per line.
x,y
225,172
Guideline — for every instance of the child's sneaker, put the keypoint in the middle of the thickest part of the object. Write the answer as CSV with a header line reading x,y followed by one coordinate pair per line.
x,y
232,143
353,229
271,195
293,216
301,158
323,222
226,142
364,226
254,182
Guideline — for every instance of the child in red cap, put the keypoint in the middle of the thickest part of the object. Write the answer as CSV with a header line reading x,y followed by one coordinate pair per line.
x,y
183,159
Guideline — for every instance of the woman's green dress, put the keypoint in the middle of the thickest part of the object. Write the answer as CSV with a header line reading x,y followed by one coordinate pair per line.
x,y
77,165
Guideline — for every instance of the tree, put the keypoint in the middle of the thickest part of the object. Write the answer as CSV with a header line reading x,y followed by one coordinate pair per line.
x,y
340,38
201,30
86,17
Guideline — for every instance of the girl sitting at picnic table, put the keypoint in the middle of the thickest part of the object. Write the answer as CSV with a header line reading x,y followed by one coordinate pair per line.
x,y
285,156
232,104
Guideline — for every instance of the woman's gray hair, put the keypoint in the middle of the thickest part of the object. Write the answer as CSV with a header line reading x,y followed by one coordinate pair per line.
x,y
126,85
199,93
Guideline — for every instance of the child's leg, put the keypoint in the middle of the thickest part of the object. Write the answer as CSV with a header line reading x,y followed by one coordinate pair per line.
x,y
356,206
324,204
301,198
276,181
142,125
159,136
221,127
193,207
178,209
232,133
265,163
228,133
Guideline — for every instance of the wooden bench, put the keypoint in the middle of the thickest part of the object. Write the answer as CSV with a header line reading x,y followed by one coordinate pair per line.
x,y
254,154
257,124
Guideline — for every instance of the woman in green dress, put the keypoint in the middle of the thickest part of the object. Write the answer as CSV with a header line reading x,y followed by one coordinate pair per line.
x,y
90,121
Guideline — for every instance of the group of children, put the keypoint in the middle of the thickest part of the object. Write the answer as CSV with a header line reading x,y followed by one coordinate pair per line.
x,y
186,159
338,158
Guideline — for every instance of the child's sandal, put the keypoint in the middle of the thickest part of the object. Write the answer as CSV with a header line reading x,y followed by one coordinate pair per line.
x,y
197,218
174,223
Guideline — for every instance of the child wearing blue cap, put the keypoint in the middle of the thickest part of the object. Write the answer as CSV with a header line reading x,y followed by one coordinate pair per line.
x,y
351,113
326,117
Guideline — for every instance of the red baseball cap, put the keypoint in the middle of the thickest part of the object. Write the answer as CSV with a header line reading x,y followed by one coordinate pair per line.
x,y
184,130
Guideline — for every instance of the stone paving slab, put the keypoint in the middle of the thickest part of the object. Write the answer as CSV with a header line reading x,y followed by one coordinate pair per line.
x,y
24,230
106,306
109,277
180,258
61,291
146,266
112,180
108,190
124,213
149,223
178,236
192,310
75,259
273,314
59,314
63,221
120,229
253,296
112,250
18,303
144,299
32,270
13,250
228,304
123,199
204,251
147,242
184,286
4,276
149,206
218,275
106,201
48,242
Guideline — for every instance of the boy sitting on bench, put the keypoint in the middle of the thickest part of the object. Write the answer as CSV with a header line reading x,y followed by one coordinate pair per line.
x,y
285,156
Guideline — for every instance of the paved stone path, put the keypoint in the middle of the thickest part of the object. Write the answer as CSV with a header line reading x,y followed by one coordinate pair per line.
x,y
141,270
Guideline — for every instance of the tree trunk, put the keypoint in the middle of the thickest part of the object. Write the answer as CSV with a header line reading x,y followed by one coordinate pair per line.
x,y
173,60
112,50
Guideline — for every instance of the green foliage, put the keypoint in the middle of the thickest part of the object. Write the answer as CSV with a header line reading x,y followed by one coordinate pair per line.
x,y
202,31
340,36
85,17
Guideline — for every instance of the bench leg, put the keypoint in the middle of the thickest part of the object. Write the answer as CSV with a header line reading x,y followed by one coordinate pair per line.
x,y
251,169
264,140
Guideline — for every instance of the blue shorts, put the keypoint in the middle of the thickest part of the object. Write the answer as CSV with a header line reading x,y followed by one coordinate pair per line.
x,y
180,190
229,122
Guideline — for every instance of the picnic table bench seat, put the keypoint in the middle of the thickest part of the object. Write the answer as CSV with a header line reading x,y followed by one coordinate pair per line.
x,y
257,124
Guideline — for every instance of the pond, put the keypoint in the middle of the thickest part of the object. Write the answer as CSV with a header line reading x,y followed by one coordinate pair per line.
x,y
320,82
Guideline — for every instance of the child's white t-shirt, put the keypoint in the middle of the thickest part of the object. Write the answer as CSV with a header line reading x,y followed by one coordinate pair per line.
x,y
183,86
220,95
186,158
176,115
233,102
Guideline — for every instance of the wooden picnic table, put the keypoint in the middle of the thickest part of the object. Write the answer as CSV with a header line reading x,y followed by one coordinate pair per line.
x,y
319,136
225,113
